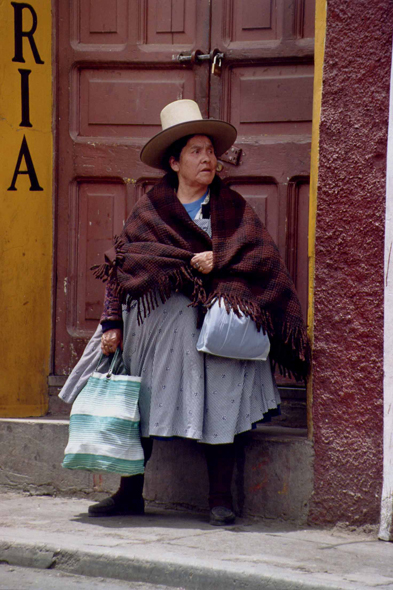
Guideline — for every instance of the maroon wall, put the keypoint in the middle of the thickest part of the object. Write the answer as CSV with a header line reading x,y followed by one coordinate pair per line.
x,y
348,351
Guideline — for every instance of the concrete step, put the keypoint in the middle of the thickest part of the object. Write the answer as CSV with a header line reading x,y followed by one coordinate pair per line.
x,y
273,477
293,403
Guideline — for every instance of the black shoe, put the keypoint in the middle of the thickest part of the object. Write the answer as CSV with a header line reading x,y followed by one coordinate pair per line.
x,y
221,516
112,506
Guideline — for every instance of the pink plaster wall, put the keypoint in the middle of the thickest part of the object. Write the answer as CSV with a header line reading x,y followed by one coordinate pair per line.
x,y
348,349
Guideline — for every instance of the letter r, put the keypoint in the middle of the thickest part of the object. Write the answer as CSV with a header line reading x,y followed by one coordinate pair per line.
x,y
19,33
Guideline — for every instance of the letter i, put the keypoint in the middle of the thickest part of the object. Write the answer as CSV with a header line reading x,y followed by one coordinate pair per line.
x,y
25,98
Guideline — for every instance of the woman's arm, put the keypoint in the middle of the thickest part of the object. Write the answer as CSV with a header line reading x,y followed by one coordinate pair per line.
x,y
111,321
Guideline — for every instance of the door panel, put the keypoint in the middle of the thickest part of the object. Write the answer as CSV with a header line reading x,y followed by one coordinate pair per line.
x,y
102,22
296,252
275,100
132,95
263,197
270,103
100,208
251,21
171,22
116,73
265,90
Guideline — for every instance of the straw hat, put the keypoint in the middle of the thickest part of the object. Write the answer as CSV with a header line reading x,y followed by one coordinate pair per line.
x,y
181,118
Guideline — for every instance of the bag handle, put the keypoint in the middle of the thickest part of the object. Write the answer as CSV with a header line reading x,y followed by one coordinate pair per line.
x,y
113,362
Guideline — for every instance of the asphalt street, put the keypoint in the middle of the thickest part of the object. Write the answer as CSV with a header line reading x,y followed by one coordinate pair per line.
x,y
23,578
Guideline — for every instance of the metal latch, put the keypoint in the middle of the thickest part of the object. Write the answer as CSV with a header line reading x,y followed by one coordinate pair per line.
x,y
197,57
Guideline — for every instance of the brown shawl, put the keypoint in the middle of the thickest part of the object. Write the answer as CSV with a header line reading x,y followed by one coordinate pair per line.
x,y
152,259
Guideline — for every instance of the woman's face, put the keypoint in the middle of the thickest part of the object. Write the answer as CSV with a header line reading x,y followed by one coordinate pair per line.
x,y
197,163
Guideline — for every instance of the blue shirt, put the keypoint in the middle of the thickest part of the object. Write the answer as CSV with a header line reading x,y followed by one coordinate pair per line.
x,y
193,208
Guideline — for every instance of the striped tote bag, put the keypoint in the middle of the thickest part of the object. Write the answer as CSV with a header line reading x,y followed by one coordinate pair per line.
x,y
104,433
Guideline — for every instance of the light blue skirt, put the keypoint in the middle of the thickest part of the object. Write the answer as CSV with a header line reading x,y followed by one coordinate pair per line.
x,y
186,393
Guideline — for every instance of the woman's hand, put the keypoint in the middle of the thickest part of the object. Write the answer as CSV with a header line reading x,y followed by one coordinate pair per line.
x,y
110,340
203,262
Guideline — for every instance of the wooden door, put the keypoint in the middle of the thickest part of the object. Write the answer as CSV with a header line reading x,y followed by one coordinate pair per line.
x,y
118,68
265,91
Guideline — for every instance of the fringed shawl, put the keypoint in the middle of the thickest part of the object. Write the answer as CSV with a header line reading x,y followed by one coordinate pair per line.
x,y
151,259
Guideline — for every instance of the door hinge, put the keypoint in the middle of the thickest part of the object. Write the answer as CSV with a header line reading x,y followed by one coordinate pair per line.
x,y
232,156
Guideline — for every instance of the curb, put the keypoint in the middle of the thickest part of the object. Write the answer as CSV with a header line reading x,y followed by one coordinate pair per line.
x,y
190,576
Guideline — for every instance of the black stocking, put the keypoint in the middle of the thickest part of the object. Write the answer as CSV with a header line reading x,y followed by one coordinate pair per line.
x,y
220,463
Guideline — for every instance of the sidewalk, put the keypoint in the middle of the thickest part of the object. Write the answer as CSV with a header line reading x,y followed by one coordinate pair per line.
x,y
184,551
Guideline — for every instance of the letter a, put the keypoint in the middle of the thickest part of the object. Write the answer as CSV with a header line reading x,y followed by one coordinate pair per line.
x,y
25,153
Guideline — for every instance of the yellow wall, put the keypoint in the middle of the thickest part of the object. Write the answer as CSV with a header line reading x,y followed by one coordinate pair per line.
x,y
320,34
26,217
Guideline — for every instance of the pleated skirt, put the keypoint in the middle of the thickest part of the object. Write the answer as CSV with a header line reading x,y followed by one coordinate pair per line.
x,y
186,393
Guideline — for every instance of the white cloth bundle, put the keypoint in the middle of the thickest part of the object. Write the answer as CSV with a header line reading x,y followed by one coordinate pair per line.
x,y
225,334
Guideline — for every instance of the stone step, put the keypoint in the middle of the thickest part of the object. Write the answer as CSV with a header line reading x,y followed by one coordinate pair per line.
x,y
273,476
293,403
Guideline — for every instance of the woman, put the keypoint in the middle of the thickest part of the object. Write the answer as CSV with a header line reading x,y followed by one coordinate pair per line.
x,y
187,243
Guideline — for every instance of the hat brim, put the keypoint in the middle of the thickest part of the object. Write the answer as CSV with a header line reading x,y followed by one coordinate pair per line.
x,y
222,134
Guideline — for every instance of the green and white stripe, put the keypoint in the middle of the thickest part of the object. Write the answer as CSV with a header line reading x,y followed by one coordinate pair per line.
x,y
104,427
116,397
98,463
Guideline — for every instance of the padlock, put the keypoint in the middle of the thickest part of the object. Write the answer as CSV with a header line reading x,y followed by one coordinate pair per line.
x,y
216,66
